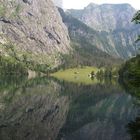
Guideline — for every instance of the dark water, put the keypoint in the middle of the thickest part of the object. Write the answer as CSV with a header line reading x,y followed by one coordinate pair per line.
x,y
47,109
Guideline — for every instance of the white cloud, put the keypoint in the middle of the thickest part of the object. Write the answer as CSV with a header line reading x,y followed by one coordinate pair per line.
x,y
79,4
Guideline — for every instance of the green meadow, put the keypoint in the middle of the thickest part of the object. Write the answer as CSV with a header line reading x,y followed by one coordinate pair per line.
x,y
77,75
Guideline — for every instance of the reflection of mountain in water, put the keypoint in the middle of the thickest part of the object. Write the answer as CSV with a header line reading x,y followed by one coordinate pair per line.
x,y
47,109
101,112
34,111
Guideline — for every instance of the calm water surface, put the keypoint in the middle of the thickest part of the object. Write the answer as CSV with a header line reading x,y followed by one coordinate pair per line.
x,y
49,109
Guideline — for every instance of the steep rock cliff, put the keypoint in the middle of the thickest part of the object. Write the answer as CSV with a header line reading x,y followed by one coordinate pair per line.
x,y
35,31
106,17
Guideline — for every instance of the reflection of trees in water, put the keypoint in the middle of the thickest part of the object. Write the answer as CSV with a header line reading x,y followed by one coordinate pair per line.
x,y
134,129
133,87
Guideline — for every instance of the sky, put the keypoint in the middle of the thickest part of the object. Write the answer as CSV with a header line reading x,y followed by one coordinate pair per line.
x,y
79,4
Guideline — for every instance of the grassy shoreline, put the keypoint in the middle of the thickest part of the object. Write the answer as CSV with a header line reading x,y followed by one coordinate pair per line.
x,y
77,75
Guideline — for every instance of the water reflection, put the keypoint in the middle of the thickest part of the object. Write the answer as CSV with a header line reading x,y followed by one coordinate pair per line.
x,y
133,127
99,112
35,112
49,109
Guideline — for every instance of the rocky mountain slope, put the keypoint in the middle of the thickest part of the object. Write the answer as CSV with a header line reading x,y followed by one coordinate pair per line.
x,y
32,31
113,26
86,43
106,17
58,3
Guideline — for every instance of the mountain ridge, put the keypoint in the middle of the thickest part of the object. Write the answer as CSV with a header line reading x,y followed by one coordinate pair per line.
x,y
112,23
96,16
84,41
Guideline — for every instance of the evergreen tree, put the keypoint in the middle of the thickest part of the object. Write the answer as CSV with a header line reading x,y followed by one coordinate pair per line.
x,y
136,19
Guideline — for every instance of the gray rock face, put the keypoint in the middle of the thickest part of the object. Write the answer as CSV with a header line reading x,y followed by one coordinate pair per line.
x,y
35,28
106,17
112,22
58,3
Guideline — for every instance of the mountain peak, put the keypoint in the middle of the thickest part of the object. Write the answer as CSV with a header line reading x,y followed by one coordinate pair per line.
x,y
113,21
94,5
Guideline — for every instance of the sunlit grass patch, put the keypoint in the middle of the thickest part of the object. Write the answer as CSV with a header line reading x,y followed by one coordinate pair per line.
x,y
77,75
